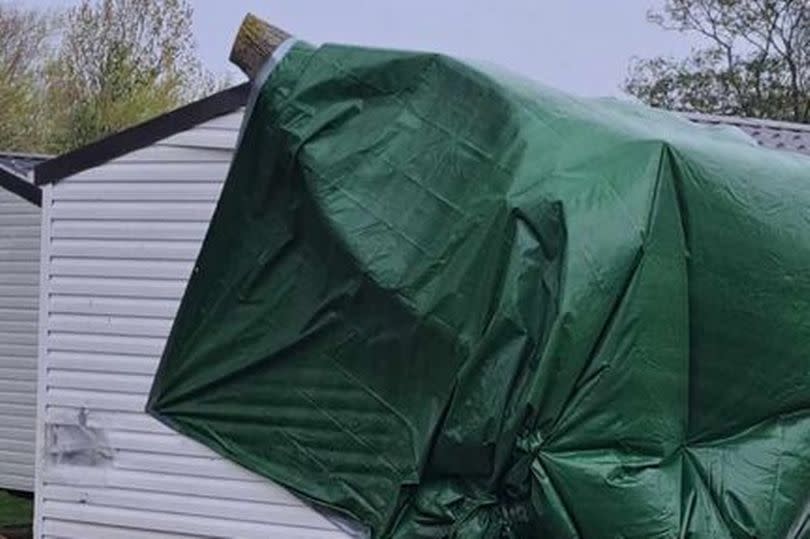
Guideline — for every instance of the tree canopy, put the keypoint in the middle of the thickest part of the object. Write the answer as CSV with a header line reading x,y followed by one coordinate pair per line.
x,y
755,62
23,44
74,76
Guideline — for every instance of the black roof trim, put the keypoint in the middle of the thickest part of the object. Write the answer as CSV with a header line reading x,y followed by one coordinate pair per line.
x,y
20,186
142,135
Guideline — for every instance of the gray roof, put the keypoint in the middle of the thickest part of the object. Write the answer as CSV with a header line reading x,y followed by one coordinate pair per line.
x,y
20,163
771,134
14,175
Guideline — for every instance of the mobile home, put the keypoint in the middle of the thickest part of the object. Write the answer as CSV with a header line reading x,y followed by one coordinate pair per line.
x,y
19,278
122,224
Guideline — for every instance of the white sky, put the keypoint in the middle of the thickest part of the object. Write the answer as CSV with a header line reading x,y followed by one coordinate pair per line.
x,y
581,46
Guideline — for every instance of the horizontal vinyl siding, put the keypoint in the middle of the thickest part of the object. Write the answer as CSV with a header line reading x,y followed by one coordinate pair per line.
x,y
121,241
19,290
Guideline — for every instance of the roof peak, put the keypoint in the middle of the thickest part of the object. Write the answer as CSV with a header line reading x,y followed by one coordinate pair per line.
x,y
142,135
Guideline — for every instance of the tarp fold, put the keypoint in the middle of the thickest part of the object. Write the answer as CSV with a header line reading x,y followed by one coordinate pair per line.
x,y
449,302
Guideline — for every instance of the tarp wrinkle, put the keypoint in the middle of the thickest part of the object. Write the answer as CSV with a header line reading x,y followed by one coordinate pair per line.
x,y
443,301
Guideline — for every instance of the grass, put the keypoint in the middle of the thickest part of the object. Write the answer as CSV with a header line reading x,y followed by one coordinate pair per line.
x,y
15,511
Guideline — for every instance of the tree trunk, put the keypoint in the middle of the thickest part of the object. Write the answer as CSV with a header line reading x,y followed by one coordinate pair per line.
x,y
255,43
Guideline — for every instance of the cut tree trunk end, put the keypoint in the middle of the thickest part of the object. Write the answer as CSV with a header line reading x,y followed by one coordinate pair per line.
x,y
255,43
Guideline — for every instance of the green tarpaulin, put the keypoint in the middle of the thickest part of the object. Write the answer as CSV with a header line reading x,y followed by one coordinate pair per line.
x,y
452,303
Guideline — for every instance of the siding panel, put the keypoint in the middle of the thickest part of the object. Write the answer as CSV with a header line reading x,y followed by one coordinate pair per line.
x,y
19,290
119,244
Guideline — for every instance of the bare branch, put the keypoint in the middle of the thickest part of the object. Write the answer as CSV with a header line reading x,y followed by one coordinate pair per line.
x,y
757,63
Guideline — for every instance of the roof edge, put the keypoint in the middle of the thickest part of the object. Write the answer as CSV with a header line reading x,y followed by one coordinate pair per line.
x,y
20,186
740,120
26,155
142,135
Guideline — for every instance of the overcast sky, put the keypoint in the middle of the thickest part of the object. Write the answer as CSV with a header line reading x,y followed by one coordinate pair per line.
x,y
581,46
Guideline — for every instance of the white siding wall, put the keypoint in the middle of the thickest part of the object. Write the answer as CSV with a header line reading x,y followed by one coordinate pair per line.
x,y
118,244
19,278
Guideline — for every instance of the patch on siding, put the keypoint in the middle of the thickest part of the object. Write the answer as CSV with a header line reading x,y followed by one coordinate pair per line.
x,y
78,444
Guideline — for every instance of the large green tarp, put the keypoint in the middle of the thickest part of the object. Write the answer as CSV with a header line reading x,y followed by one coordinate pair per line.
x,y
448,302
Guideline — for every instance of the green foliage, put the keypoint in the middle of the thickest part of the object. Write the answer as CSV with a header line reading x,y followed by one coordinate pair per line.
x,y
23,45
121,62
69,78
756,61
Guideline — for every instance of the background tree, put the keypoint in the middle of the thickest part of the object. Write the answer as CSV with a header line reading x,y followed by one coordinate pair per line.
x,y
756,61
121,62
23,47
